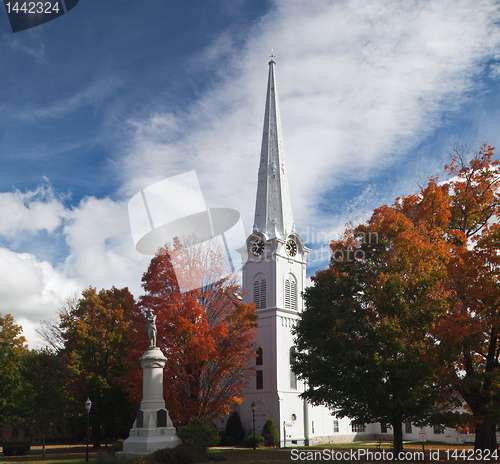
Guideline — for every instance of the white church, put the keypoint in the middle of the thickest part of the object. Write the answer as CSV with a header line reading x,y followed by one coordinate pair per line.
x,y
273,278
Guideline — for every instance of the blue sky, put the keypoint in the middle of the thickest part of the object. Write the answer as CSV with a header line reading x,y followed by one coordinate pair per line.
x,y
116,95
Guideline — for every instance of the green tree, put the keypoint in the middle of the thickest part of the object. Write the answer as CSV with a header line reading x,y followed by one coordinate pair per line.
x,y
12,348
363,341
95,348
42,383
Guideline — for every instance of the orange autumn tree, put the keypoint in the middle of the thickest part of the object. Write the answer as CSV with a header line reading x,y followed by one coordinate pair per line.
x,y
94,330
363,341
207,334
464,211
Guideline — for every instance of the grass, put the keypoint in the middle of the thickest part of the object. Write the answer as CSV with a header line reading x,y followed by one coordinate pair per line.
x,y
76,455
54,454
63,458
282,456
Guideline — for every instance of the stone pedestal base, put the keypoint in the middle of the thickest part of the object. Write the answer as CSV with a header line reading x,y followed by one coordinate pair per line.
x,y
152,429
141,444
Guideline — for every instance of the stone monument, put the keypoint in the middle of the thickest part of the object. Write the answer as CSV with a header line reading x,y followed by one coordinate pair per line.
x,y
152,428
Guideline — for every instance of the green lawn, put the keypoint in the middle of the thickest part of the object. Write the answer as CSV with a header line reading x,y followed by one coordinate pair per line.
x,y
60,458
73,455
55,454
282,456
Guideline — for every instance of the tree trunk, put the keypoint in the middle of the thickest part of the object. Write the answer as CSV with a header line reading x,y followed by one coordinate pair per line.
x,y
96,437
486,438
397,426
43,446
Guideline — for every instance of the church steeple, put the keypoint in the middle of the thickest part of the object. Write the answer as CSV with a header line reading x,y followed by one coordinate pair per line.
x,y
273,209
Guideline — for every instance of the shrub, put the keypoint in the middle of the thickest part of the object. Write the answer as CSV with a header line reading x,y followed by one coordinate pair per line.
x,y
144,459
270,433
227,440
116,447
200,432
184,453
234,427
259,441
16,449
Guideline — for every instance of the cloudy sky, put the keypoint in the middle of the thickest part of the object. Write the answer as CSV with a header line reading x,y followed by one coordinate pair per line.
x,y
117,95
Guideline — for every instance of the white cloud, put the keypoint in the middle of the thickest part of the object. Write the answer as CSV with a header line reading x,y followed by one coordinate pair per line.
x,y
361,82
94,94
31,211
37,54
100,253
31,290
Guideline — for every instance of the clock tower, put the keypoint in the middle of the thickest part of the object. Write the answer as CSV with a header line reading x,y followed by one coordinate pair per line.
x,y
273,278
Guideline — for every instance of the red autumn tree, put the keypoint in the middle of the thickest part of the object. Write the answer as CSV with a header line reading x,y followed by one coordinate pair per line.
x,y
207,334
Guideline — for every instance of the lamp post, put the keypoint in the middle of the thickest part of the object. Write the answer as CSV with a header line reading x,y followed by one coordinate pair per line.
x,y
88,405
253,421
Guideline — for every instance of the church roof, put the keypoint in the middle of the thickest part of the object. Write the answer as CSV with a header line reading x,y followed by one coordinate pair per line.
x,y
273,209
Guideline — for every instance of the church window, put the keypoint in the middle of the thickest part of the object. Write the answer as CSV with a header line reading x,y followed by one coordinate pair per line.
x,y
408,427
259,381
290,292
383,428
293,375
335,426
258,360
438,429
358,427
259,293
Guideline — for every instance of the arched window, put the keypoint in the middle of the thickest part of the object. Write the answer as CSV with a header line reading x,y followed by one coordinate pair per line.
x,y
293,376
290,292
259,292
258,359
259,380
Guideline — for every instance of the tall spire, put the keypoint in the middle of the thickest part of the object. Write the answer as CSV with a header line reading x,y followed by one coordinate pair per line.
x,y
273,209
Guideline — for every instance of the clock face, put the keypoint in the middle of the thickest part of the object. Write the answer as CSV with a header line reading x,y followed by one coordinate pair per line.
x,y
258,247
291,247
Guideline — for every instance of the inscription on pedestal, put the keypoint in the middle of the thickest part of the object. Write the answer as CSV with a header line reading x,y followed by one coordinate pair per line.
x,y
140,419
161,418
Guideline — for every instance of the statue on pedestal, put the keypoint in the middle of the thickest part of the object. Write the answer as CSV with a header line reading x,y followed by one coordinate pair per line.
x,y
151,328
153,428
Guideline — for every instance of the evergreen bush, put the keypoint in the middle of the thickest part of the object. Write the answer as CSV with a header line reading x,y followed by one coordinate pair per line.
x,y
270,433
259,441
234,428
